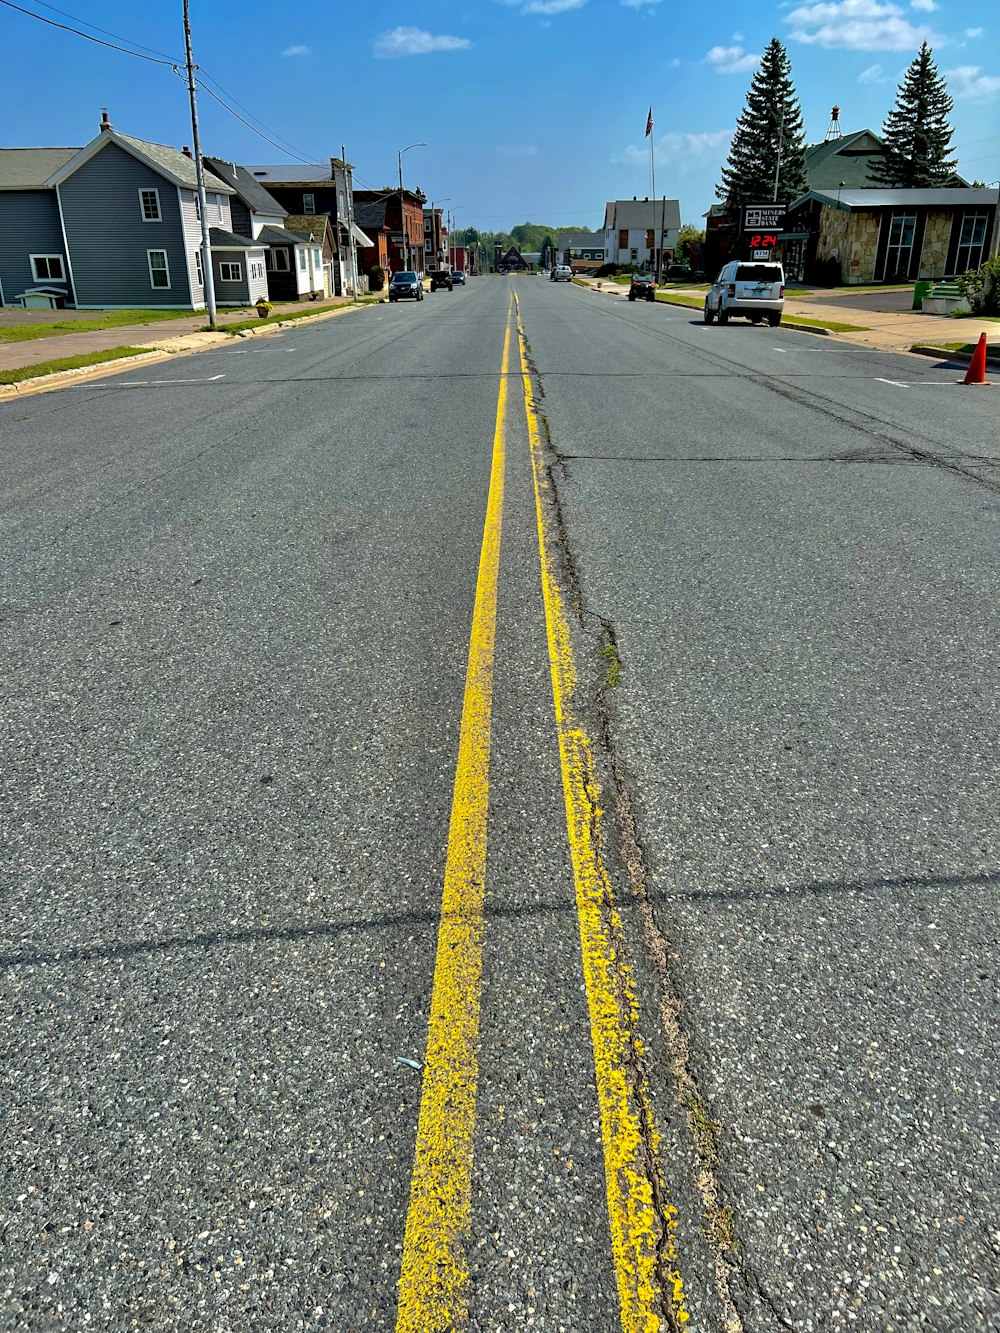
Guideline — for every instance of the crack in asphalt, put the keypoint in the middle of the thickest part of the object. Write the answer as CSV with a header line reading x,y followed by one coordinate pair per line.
x,y
632,858
856,418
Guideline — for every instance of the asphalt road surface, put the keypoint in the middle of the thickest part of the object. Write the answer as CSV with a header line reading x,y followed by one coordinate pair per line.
x,y
498,831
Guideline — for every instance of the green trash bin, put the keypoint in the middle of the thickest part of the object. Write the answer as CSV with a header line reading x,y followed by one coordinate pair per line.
x,y
920,290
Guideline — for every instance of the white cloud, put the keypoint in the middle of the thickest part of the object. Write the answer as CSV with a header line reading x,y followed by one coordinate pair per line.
x,y
731,59
859,25
973,32
295,51
738,37
928,5
517,149
679,150
638,4
544,6
969,83
873,74
675,63
414,42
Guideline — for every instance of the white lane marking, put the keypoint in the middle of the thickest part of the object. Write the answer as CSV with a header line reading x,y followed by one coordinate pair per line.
x,y
895,383
141,384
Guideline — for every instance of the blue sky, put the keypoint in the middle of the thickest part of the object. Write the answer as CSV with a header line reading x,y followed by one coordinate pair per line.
x,y
530,109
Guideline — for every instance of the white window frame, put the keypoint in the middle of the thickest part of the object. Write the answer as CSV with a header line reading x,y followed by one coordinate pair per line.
x,y
143,191
302,261
48,277
905,222
277,261
199,270
158,287
973,221
197,207
309,204
230,264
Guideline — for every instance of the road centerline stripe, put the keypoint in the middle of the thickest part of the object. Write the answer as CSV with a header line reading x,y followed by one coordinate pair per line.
x,y
434,1275
642,1222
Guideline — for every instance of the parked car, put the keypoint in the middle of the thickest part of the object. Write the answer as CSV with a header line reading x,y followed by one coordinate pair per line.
x,y
562,273
679,273
458,276
754,290
405,284
440,277
642,287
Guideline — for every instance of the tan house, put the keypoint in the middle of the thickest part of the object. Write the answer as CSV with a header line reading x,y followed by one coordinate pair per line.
x,y
877,235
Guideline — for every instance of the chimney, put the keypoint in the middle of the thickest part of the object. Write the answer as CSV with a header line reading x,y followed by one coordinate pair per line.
x,y
187,152
105,123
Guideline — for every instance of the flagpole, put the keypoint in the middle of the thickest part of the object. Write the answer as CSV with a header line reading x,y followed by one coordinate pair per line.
x,y
652,177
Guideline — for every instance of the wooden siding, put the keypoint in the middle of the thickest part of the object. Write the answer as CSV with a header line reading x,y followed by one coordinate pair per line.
x,y
29,225
108,239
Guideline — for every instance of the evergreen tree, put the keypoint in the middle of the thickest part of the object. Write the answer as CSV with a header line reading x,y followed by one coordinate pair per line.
x,y
916,134
769,130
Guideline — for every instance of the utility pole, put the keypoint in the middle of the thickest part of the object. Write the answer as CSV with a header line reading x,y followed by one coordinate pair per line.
x,y
777,169
349,191
206,240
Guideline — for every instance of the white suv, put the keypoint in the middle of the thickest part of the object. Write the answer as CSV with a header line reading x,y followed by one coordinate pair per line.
x,y
750,288
562,273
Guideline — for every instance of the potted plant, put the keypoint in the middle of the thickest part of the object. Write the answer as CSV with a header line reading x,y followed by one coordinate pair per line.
x,y
263,307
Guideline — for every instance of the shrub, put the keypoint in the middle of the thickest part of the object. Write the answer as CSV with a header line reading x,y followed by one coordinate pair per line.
x,y
607,271
376,278
824,273
981,287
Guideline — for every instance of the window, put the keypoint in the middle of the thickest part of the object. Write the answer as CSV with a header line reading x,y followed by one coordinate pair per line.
x,y
159,269
197,207
650,242
277,260
198,270
634,255
309,204
302,260
149,203
231,272
623,239
897,256
316,259
48,266
971,240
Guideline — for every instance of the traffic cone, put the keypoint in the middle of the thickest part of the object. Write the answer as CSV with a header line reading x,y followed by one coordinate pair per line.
x,y
976,374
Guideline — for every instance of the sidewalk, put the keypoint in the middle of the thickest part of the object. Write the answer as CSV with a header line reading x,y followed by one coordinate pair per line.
x,y
162,335
888,331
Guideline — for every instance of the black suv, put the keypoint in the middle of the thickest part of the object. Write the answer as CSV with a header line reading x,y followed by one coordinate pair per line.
x,y
642,286
441,278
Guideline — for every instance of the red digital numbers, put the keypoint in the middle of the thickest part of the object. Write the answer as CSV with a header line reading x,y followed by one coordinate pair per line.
x,y
765,241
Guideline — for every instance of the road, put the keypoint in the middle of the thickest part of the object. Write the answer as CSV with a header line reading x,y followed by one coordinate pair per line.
x,y
500,831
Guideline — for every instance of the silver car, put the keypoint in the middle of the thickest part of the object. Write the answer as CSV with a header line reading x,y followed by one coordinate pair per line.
x,y
750,288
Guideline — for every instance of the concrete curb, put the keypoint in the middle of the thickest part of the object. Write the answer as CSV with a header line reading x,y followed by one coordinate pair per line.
x,y
945,354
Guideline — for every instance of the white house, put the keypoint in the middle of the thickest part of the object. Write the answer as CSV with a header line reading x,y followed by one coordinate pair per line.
x,y
631,227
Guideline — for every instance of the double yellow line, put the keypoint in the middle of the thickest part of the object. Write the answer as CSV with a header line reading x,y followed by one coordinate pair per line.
x,y
434,1278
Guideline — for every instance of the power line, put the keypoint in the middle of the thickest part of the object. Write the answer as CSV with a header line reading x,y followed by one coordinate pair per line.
x,y
281,143
86,35
251,128
95,28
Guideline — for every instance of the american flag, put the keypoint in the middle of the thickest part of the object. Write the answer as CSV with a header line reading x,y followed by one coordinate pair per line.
x,y
649,123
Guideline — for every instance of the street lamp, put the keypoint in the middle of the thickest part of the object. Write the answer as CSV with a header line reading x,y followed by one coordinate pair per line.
x,y
402,219
451,228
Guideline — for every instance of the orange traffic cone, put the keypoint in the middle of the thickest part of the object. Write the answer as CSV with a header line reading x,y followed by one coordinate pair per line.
x,y
976,374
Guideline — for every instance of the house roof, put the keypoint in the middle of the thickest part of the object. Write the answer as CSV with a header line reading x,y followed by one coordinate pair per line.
x,y
370,214
171,163
280,236
852,201
247,187
297,174
845,159
30,168
227,240
635,213
308,224
580,240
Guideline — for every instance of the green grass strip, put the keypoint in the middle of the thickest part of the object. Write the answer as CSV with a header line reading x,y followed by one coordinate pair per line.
x,y
259,323
966,349
794,321
20,373
109,319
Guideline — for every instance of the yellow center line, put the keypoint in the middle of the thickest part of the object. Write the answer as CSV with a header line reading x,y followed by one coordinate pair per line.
x,y
642,1223
434,1277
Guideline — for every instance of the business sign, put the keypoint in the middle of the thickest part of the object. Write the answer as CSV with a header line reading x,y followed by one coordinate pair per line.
x,y
763,217
396,237
760,254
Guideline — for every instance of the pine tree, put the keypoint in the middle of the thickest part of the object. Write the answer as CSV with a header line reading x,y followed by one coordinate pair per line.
x,y
916,134
769,129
